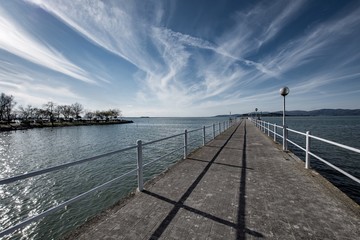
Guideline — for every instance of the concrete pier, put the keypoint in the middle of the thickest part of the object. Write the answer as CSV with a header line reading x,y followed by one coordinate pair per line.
x,y
239,186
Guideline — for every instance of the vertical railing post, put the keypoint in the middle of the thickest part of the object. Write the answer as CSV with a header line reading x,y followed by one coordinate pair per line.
x,y
284,138
275,129
213,130
185,144
307,155
268,128
204,140
264,128
140,166
219,128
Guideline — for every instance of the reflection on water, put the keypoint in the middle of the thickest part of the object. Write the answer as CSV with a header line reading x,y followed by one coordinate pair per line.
x,y
26,151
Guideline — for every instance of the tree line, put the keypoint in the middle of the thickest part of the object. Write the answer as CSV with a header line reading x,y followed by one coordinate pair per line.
x,y
51,112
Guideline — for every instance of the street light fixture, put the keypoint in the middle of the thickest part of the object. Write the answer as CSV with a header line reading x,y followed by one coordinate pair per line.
x,y
283,92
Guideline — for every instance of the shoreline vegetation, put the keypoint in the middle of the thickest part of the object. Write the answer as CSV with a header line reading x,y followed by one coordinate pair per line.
x,y
14,126
52,115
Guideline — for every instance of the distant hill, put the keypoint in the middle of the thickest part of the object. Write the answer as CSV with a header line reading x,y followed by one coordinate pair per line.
x,y
319,112
325,112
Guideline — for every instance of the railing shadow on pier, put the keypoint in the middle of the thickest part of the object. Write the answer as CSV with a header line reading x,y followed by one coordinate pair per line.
x,y
239,225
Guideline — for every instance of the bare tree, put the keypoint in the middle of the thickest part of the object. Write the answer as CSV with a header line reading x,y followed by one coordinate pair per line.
x,y
27,112
49,110
89,114
66,111
7,104
99,114
113,112
77,109
57,112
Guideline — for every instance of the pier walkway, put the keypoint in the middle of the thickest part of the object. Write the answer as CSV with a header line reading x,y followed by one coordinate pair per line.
x,y
239,186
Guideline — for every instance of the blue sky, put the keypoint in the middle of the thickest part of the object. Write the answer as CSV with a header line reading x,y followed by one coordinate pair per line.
x,y
181,58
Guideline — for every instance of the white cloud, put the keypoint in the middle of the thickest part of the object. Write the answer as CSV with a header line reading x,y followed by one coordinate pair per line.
x,y
19,42
24,84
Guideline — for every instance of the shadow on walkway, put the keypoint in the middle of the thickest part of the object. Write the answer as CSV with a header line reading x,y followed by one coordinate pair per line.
x,y
239,227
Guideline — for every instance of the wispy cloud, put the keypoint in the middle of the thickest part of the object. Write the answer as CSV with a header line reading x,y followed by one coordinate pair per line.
x,y
19,42
24,83
323,41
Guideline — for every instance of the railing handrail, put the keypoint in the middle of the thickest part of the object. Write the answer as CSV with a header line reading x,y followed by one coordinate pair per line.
x,y
58,167
336,144
162,139
104,185
294,131
343,146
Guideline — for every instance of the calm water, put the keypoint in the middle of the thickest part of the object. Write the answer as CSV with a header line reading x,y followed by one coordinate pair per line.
x,y
25,151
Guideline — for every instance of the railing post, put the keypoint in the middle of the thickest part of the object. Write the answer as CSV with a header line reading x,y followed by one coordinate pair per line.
x,y
204,140
268,128
275,129
307,155
213,130
264,128
219,128
284,138
140,166
185,143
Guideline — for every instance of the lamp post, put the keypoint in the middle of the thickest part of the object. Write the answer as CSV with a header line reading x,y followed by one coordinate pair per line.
x,y
256,117
283,92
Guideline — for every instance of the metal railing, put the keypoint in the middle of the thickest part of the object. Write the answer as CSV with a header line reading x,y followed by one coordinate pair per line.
x,y
216,129
271,129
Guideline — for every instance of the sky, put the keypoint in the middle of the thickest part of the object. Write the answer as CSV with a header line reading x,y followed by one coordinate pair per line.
x,y
181,58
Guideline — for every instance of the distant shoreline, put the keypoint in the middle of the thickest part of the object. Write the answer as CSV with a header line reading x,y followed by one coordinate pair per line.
x,y
302,113
15,127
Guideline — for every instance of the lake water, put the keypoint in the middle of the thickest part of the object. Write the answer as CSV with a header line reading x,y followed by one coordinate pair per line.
x,y
25,151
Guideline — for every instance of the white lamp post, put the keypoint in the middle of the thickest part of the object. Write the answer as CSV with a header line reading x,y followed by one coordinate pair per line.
x,y
283,92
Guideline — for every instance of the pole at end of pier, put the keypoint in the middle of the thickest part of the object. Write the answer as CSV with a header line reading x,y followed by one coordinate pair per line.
x,y
283,92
